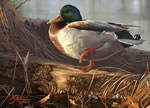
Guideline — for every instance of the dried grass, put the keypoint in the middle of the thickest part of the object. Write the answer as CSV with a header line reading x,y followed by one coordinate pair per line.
x,y
18,39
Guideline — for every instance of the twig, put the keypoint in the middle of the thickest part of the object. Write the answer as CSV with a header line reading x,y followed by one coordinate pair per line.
x,y
91,81
90,87
25,63
5,88
7,97
14,73
21,4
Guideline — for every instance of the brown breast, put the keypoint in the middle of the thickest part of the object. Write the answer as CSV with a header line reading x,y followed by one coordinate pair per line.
x,y
54,28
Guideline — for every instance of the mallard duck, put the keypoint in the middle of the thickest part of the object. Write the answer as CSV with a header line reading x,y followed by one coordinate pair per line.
x,y
89,40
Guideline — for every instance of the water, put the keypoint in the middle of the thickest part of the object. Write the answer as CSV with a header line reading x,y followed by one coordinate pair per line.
x,y
134,12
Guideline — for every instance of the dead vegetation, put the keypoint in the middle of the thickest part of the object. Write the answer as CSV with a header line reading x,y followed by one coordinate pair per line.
x,y
34,73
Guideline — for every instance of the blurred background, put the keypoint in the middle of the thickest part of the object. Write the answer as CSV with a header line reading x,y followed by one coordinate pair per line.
x,y
136,12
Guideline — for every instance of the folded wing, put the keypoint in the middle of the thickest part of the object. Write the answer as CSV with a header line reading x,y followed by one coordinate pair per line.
x,y
96,26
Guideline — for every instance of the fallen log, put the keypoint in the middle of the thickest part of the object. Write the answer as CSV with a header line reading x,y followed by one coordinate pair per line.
x,y
31,63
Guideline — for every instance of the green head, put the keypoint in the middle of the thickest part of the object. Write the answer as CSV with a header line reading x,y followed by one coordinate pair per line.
x,y
70,13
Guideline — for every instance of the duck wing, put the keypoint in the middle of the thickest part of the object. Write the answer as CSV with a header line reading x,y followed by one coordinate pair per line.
x,y
131,42
98,26
127,26
123,35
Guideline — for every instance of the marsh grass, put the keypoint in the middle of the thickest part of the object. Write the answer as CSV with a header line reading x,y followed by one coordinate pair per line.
x,y
119,89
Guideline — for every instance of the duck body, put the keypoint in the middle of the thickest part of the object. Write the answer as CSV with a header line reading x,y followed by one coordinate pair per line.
x,y
74,41
89,40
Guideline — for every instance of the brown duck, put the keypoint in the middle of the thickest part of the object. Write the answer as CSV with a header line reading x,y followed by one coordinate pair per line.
x,y
89,40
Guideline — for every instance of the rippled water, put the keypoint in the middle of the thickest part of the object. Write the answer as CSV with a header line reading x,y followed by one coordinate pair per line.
x,y
135,12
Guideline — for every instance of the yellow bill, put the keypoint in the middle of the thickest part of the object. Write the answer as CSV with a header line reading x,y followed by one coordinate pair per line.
x,y
55,20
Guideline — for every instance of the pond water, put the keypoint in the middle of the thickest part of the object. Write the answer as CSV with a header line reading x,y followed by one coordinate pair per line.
x,y
136,12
